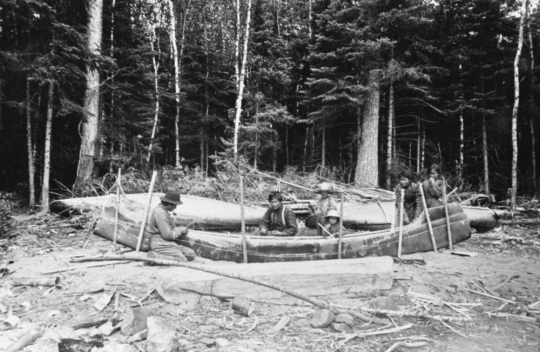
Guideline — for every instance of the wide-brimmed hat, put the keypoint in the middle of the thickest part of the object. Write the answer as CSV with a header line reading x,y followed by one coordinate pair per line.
x,y
332,213
172,197
324,187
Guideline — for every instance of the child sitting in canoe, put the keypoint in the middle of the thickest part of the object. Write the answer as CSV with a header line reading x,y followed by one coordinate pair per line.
x,y
331,226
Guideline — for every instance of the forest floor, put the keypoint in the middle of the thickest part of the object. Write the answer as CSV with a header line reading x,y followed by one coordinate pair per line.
x,y
208,324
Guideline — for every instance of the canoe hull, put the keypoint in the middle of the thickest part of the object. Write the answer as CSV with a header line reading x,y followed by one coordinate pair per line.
x,y
219,246
204,213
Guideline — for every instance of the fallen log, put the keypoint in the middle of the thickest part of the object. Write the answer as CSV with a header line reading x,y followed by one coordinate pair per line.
x,y
36,281
375,264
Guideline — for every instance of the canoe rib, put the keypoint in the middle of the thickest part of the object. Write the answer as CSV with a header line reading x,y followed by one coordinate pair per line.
x,y
218,246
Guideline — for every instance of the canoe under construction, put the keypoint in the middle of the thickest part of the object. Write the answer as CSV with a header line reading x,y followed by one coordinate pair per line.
x,y
210,214
229,247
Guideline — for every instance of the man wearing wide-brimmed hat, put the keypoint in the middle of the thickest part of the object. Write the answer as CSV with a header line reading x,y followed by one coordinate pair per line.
x,y
164,234
278,220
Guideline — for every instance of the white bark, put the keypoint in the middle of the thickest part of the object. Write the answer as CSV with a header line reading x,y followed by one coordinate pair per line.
x,y
30,148
516,103
177,56
389,142
47,152
155,65
485,155
241,82
532,107
419,148
90,125
323,151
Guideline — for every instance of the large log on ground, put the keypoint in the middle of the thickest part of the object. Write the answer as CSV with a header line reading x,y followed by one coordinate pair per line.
x,y
313,278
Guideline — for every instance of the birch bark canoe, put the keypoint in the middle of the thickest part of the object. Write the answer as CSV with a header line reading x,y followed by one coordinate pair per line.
x,y
229,247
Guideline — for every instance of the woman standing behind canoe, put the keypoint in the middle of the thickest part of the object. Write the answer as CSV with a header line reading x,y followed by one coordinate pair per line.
x,y
412,203
325,203
433,187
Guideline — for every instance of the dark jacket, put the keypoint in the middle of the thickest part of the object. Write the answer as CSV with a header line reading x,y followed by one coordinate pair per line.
x,y
281,219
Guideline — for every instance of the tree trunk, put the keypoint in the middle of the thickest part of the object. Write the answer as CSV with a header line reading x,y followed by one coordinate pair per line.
x,y
47,151
256,157
461,144
287,145
485,154
323,151
30,148
418,147
305,149
309,19
90,124
241,82
155,64
237,47
516,103
390,135
423,148
532,110
367,168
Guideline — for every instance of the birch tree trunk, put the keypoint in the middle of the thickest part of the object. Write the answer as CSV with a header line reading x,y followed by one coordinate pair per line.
x,y
323,151
155,65
532,106
241,82
367,168
516,103
257,137
389,142
419,148
30,148
47,152
305,149
237,46
90,124
174,47
485,154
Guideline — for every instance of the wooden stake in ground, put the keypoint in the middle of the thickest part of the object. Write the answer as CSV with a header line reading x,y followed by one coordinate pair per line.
x,y
400,223
428,220
243,220
143,225
117,208
445,204
340,243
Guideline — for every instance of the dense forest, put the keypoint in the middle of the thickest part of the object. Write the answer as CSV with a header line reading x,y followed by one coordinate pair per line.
x,y
355,89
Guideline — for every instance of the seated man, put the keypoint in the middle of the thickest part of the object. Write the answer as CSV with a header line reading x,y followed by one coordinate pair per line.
x,y
278,220
163,233
332,224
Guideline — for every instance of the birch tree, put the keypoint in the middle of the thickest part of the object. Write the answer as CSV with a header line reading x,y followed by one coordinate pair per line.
x,y
90,124
30,148
47,151
241,80
516,102
532,106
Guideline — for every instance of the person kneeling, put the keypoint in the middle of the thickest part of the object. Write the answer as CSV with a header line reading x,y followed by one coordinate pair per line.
x,y
164,234
278,220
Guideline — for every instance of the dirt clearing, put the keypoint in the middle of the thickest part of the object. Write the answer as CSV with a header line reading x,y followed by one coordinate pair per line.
x,y
492,296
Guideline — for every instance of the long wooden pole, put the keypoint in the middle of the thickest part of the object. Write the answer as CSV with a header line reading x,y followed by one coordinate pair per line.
x,y
243,220
117,209
445,204
143,226
340,243
400,240
428,220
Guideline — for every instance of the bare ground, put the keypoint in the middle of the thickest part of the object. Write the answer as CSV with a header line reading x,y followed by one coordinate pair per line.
x,y
501,254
